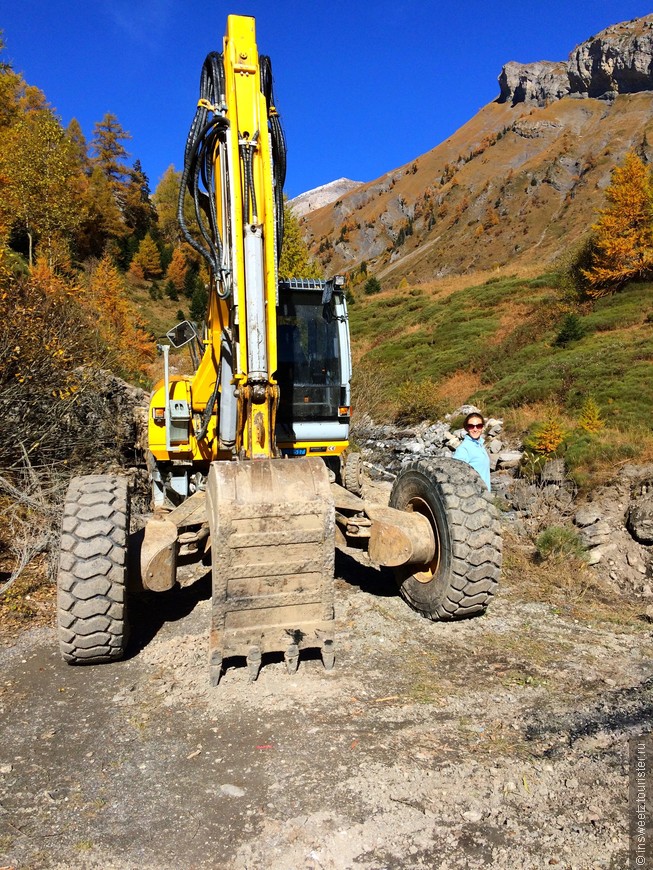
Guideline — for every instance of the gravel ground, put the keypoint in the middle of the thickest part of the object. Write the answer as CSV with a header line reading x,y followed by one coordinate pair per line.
x,y
495,742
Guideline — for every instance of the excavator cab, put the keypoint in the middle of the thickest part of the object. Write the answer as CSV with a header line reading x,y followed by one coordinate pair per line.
x,y
314,369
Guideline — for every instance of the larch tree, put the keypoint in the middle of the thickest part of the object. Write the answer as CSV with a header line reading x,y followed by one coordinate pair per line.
x,y
109,151
295,260
40,172
117,323
165,200
148,258
80,146
177,269
101,219
623,234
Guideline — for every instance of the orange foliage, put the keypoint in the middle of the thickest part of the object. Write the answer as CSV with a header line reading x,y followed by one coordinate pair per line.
x,y
623,248
118,325
177,269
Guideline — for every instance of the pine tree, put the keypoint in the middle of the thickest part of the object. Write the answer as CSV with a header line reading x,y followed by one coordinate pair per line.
x,y
138,211
623,243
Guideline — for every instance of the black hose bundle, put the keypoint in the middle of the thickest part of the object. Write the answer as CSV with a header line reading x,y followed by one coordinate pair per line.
x,y
279,150
207,131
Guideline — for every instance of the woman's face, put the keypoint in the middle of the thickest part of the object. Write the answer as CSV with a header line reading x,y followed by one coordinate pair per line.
x,y
474,427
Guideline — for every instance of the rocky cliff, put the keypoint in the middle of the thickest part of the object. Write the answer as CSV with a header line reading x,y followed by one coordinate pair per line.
x,y
618,60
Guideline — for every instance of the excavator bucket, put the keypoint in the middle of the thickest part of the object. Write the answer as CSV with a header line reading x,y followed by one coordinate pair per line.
x,y
272,524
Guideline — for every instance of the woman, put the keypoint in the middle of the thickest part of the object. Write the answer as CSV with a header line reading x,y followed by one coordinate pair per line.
x,y
471,449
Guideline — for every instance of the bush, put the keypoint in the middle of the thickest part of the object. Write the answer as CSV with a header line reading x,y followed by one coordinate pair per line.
x,y
558,542
418,401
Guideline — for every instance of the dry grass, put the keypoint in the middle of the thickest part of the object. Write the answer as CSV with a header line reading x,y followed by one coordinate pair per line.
x,y
456,390
567,584
29,603
512,316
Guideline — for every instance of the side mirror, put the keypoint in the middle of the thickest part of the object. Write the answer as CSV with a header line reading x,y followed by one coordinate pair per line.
x,y
181,334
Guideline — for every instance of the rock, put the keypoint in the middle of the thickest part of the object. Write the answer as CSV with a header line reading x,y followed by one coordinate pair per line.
x,y
618,60
636,562
586,516
596,534
640,519
523,496
595,556
553,471
533,82
473,815
232,790
510,458
495,446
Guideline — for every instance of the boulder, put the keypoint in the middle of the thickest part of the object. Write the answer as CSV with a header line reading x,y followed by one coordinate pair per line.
x,y
509,458
586,516
640,519
595,535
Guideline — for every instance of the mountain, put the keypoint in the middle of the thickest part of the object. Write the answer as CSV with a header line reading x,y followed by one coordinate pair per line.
x,y
321,196
520,182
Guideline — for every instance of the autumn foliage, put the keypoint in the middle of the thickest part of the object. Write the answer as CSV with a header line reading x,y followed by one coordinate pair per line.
x,y
622,247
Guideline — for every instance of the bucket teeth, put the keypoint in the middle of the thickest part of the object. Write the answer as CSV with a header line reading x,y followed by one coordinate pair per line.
x,y
328,655
215,667
291,657
253,663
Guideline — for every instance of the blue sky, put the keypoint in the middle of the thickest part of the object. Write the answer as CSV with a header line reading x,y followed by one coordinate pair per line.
x,y
362,87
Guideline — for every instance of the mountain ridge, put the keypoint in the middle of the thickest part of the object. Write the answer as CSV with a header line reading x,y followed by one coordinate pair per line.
x,y
518,181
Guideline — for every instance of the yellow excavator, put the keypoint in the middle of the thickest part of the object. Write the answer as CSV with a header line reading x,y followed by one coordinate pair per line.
x,y
247,455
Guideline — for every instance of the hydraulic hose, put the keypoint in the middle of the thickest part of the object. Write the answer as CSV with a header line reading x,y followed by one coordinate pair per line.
x,y
207,132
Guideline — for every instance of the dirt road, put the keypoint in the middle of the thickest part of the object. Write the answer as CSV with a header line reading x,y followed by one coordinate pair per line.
x,y
496,742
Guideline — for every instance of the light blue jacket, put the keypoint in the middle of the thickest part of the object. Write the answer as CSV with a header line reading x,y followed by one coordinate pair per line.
x,y
473,453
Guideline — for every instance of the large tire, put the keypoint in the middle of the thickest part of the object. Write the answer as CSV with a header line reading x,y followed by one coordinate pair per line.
x,y
92,579
463,575
352,473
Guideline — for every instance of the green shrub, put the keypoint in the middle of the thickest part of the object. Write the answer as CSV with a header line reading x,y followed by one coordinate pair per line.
x,y
559,542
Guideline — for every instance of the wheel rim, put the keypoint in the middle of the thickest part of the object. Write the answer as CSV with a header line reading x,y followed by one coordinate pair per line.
x,y
421,506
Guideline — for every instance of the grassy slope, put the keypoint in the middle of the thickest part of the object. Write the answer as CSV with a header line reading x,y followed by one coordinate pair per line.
x,y
504,332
